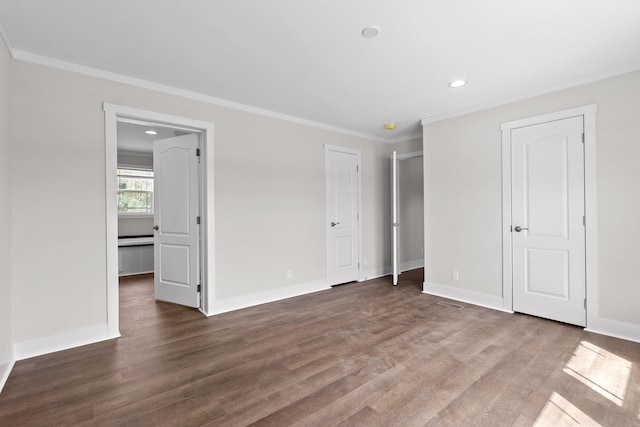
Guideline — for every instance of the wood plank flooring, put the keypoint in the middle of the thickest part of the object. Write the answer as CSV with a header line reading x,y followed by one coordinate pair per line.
x,y
363,354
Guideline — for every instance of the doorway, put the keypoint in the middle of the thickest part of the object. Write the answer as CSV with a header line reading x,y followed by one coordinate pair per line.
x,y
114,115
158,208
549,216
407,212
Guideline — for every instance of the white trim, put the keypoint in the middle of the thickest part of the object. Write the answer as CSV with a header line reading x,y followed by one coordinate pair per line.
x,y
113,113
375,273
111,219
224,305
617,329
6,365
591,216
592,78
411,265
463,295
588,112
507,273
146,84
358,154
405,156
63,341
549,117
137,273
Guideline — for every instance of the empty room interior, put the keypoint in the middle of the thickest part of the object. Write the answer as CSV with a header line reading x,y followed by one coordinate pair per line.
x,y
319,213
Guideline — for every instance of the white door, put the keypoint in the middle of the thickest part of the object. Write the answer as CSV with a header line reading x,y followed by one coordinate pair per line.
x,y
342,228
176,207
394,216
548,234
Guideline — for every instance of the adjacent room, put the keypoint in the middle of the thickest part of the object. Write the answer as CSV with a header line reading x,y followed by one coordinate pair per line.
x,y
319,213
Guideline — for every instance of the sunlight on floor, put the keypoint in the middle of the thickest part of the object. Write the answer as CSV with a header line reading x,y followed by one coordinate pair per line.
x,y
600,370
559,411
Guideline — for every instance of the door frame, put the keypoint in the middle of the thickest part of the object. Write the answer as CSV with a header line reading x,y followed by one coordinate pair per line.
x,y
588,113
395,210
358,154
113,114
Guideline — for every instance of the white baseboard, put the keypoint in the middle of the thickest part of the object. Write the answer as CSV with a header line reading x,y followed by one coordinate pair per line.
x,y
616,329
63,341
463,295
374,273
236,303
6,365
411,265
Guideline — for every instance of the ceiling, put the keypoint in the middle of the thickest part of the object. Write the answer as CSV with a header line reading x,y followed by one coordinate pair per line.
x,y
308,59
133,139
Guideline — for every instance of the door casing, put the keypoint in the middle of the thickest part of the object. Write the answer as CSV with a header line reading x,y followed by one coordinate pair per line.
x,y
113,114
395,209
588,112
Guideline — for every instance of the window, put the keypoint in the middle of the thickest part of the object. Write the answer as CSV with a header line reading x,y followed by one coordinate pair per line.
x,y
135,192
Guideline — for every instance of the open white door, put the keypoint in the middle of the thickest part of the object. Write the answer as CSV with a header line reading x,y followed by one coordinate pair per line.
x,y
548,229
394,216
342,220
176,207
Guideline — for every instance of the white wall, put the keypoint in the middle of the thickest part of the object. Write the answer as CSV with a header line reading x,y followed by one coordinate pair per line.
x,y
135,159
5,208
135,227
463,195
269,195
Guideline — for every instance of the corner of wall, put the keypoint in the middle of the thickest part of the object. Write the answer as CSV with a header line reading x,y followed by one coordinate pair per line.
x,y
615,328
62,341
6,365
463,295
244,301
7,358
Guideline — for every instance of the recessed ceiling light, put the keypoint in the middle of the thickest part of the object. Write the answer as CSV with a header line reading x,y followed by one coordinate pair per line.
x,y
390,126
370,32
150,132
457,83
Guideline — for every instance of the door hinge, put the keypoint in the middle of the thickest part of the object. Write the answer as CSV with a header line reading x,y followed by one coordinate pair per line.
x,y
583,137
584,220
199,288
197,220
197,152
585,303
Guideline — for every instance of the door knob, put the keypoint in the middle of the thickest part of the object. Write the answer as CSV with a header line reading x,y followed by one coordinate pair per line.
x,y
155,227
333,224
519,229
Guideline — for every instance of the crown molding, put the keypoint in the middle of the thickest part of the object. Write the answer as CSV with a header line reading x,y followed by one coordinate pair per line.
x,y
25,56
584,80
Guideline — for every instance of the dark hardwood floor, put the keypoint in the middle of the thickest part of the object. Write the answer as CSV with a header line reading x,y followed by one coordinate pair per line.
x,y
364,354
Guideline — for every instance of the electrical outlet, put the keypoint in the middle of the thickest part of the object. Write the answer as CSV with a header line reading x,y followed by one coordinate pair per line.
x,y
289,274
454,275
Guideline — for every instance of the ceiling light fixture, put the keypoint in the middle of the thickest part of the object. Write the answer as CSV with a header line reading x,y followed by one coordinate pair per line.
x,y
390,126
370,32
457,83
150,132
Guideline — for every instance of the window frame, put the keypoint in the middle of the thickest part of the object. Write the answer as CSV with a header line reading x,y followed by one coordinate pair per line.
x,y
135,214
